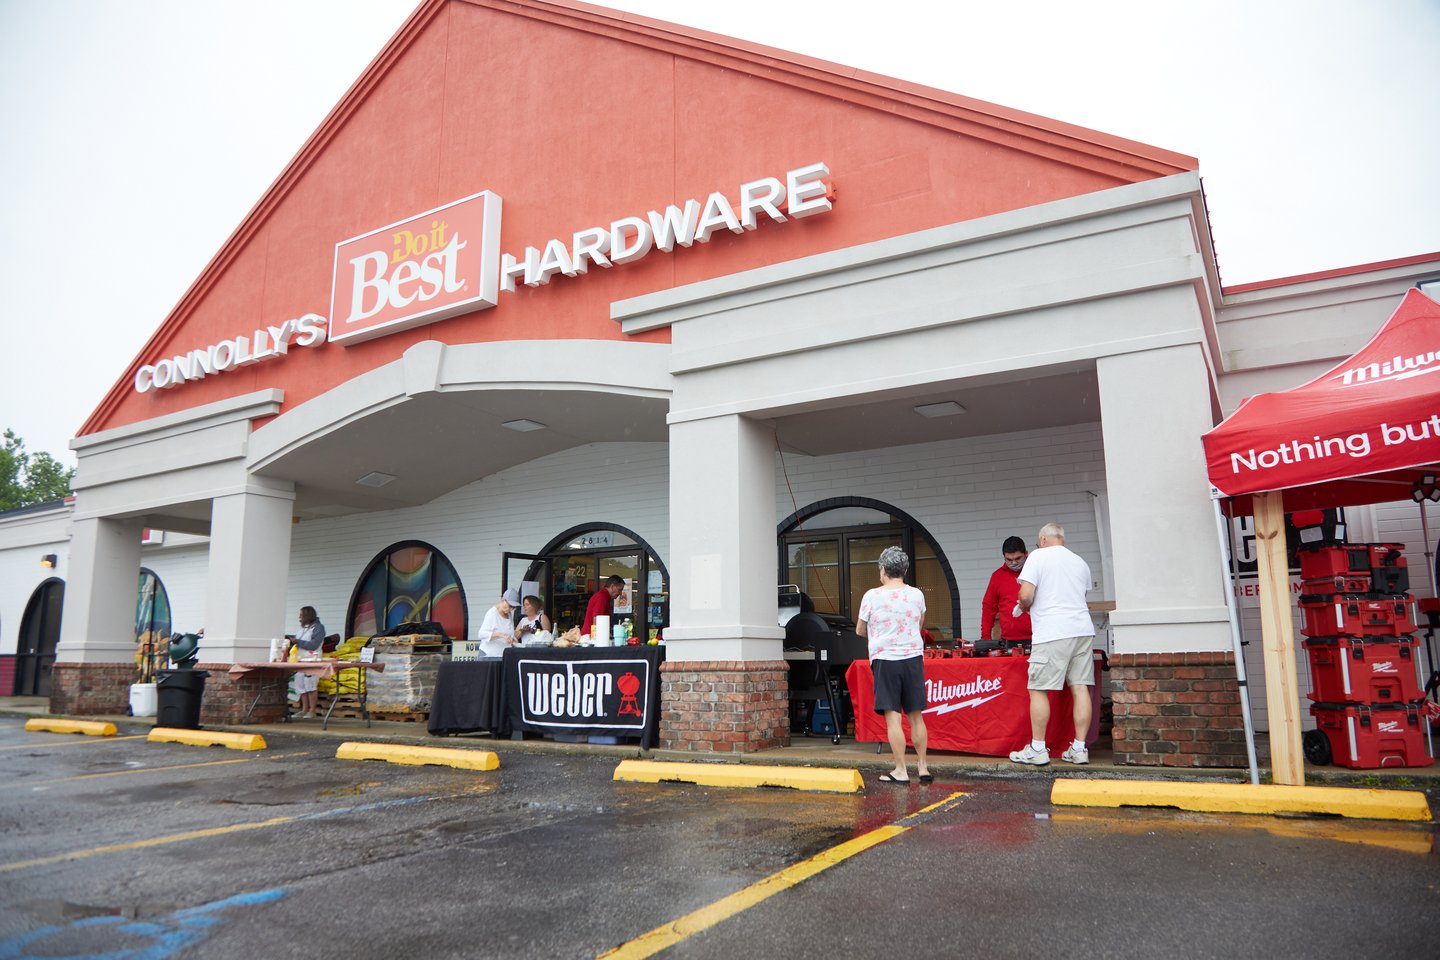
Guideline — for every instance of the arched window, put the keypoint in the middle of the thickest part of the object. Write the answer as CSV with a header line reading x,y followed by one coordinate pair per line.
x,y
576,562
407,581
831,547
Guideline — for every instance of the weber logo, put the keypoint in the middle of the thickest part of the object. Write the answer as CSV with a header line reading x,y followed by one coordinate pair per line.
x,y
585,693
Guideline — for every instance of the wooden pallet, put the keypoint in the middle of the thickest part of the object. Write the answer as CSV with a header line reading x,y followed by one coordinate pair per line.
x,y
419,643
351,711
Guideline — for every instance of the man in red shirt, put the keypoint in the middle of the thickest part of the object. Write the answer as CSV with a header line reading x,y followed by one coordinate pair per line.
x,y
1001,594
602,603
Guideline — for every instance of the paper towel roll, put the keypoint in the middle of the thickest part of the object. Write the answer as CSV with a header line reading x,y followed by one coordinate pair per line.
x,y
600,631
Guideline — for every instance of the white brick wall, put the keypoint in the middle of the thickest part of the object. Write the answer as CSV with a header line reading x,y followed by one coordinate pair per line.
x,y
520,510
972,493
23,541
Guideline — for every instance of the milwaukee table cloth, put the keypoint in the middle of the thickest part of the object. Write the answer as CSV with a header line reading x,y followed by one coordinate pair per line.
x,y
972,705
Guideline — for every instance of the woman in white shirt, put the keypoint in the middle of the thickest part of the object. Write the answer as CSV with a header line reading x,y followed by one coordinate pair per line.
x,y
497,630
891,616
532,620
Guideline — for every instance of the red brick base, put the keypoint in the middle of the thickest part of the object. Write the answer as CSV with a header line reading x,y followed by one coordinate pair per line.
x,y
87,689
1177,710
724,706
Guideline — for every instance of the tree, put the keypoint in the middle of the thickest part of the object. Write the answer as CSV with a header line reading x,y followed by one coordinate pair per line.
x,y
27,479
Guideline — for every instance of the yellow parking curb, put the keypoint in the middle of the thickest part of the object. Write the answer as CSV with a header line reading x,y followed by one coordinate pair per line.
x,y
207,738
91,728
460,759
1261,798
833,780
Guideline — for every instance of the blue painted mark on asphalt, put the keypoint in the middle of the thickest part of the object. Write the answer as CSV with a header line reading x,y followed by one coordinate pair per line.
x,y
167,935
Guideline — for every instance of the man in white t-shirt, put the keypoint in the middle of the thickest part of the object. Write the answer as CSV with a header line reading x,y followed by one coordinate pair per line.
x,y
1053,584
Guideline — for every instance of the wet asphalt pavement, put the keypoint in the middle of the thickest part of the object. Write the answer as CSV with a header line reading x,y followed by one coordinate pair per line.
x,y
119,848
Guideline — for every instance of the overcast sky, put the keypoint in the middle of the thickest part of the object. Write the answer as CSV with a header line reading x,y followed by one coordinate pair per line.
x,y
139,133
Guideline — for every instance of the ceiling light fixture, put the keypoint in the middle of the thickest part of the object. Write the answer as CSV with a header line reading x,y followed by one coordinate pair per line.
x,y
375,480
523,426
945,408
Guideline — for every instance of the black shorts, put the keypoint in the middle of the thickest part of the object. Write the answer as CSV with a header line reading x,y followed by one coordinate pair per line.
x,y
899,684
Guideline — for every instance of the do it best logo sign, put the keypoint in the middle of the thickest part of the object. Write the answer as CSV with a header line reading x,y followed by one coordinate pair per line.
x,y
438,264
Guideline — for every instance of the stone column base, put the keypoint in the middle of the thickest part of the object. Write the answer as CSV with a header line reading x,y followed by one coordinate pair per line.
x,y
724,706
1177,710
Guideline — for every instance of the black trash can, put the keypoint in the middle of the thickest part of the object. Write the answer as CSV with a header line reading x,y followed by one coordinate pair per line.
x,y
177,697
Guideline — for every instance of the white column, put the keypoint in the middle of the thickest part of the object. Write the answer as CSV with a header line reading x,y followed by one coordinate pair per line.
x,y
99,619
722,541
1169,578
248,574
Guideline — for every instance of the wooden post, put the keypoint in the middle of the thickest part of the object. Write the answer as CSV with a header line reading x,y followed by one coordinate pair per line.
x,y
1277,631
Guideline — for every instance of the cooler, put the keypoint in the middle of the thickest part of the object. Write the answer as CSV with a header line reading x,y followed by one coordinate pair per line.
x,y
1357,616
1371,671
1382,564
1369,737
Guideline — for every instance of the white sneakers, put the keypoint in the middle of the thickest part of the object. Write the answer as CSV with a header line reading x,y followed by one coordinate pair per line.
x,y
1036,758
1040,758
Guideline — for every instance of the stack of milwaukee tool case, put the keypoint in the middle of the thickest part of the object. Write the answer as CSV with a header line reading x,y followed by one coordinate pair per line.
x,y
1370,708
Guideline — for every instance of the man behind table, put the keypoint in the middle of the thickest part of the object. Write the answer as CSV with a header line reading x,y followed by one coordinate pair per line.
x,y
602,602
1053,584
1001,594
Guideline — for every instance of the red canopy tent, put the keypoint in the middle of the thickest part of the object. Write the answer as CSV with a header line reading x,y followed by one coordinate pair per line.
x,y
1364,432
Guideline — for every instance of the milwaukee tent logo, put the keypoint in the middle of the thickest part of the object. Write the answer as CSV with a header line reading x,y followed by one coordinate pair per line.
x,y
1384,666
949,697
1400,368
434,265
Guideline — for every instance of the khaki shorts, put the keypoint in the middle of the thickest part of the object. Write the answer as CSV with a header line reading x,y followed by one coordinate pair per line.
x,y
1061,663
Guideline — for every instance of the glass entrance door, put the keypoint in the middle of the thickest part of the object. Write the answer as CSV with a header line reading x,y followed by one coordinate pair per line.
x,y
578,572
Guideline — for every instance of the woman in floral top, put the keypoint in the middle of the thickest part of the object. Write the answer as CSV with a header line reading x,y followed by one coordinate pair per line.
x,y
891,616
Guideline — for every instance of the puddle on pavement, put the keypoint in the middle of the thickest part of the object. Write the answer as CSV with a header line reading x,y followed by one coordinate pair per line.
x,y
60,911
1416,838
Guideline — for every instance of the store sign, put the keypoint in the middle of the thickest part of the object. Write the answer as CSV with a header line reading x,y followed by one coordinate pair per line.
x,y
434,265
446,261
264,344
584,693
802,193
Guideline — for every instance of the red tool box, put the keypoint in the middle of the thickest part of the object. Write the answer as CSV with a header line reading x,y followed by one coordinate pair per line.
x,y
1373,671
1324,589
1355,615
1367,737
1383,564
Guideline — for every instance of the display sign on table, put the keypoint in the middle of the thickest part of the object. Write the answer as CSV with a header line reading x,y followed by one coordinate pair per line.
x,y
466,650
590,691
